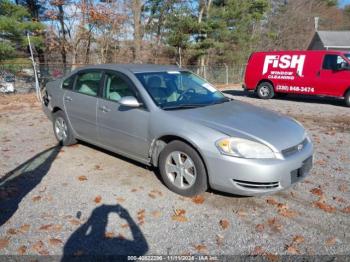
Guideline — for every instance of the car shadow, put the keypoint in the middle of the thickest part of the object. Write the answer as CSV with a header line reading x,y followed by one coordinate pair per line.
x,y
290,97
16,184
91,243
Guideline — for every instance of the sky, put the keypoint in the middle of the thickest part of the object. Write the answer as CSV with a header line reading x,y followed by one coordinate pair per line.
x,y
344,2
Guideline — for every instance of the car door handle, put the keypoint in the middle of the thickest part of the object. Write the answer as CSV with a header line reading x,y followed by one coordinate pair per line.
x,y
318,73
67,98
104,109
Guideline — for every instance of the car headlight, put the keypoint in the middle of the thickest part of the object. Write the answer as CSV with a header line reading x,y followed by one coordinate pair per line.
x,y
244,148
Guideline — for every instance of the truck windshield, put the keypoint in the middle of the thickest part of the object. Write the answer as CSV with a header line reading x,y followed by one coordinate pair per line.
x,y
173,90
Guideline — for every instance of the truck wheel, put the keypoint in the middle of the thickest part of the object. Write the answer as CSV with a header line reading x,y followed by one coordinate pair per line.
x,y
182,169
347,98
61,128
265,90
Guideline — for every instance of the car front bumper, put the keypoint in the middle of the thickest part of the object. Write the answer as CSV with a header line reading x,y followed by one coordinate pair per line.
x,y
252,177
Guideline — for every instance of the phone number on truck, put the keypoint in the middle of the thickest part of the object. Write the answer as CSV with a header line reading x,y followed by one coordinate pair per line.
x,y
303,89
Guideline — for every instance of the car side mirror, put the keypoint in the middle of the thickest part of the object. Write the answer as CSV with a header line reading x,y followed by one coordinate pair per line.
x,y
129,101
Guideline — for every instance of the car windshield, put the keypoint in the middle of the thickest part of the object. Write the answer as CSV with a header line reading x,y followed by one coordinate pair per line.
x,y
179,89
347,56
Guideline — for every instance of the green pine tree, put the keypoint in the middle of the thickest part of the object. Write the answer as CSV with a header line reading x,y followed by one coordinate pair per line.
x,y
14,23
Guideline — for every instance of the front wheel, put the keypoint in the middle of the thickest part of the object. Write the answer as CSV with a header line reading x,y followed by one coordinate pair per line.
x,y
265,90
62,130
182,169
347,98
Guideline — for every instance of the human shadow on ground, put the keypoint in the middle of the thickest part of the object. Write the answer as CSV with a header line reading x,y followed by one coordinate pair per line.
x,y
90,242
16,184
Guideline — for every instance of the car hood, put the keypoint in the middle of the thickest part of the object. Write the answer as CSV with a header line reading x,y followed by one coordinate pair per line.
x,y
236,118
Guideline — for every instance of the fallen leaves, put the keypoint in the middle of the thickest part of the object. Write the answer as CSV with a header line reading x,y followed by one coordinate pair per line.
x,y
288,213
292,250
325,207
141,216
316,191
258,251
346,210
82,178
259,228
21,250
320,162
224,223
156,214
11,231
74,222
36,198
331,241
219,240
55,241
154,193
109,235
272,201
274,224
98,167
199,199
4,242
179,215
343,188
51,228
120,199
97,199
241,213
40,248
201,248
298,239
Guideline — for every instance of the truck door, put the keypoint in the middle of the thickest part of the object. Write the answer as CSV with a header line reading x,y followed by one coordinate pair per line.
x,y
332,79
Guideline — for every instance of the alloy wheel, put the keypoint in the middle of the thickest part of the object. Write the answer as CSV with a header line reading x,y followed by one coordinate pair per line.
x,y
180,170
61,129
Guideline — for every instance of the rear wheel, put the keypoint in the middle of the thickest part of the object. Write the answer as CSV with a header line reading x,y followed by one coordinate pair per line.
x,y
347,98
265,90
62,130
182,169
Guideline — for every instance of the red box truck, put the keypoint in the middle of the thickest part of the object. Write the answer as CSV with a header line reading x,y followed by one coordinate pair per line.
x,y
324,73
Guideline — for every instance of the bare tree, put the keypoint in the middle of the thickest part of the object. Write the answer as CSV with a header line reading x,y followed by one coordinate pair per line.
x,y
136,8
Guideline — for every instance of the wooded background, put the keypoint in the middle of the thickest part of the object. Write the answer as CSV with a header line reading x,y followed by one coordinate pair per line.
x,y
198,33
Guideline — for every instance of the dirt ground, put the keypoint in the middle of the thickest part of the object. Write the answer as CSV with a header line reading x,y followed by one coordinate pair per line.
x,y
84,200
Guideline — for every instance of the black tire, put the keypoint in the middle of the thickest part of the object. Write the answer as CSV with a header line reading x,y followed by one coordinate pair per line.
x,y
347,98
265,90
200,182
68,139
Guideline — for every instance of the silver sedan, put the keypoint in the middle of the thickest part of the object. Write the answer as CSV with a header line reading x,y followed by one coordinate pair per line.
x,y
172,119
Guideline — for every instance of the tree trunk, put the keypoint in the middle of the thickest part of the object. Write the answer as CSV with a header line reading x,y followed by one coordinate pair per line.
x,y
63,38
136,11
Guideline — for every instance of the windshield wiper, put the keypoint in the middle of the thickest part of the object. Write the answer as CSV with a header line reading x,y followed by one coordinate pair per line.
x,y
183,106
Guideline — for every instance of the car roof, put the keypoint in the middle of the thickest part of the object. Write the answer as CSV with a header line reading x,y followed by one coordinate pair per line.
x,y
134,68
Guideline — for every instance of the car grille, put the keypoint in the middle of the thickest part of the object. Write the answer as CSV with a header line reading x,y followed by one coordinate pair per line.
x,y
294,149
256,185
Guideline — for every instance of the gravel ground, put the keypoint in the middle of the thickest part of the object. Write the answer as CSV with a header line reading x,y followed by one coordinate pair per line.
x,y
81,199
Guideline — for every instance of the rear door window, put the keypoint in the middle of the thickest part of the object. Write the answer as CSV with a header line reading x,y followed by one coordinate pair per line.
x,y
88,83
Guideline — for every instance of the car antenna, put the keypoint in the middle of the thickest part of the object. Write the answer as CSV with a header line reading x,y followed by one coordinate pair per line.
x,y
37,87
